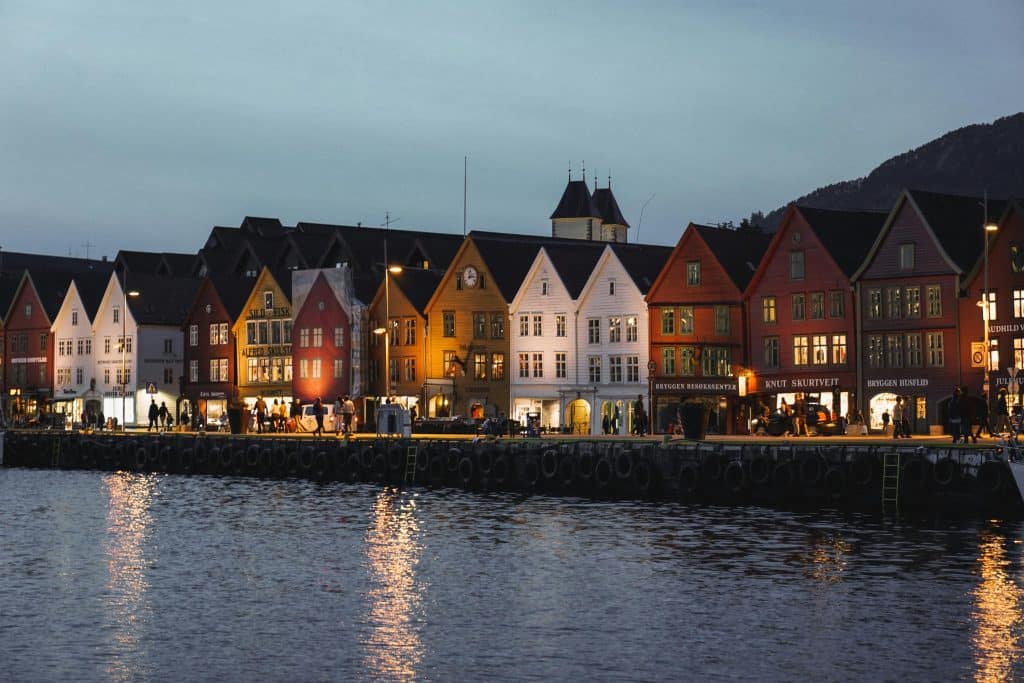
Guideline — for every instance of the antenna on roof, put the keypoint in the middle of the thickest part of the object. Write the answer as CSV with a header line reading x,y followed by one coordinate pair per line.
x,y
609,179
570,170
88,245
595,181
465,190
583,176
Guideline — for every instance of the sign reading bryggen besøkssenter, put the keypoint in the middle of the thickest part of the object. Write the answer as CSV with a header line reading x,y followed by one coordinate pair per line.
x,y
703,385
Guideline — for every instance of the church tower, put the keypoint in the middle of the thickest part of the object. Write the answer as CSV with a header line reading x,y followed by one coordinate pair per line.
x,y
576,216
613,223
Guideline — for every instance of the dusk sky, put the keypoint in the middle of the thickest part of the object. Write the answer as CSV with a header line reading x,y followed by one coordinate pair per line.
x,y
140,125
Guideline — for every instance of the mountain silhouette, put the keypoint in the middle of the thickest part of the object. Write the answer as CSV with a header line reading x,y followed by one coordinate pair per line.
x,y
968,161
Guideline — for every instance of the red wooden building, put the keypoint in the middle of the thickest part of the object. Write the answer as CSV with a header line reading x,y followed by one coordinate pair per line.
x,y
908,290
1006,307
698,326
209,358
323,334
802,317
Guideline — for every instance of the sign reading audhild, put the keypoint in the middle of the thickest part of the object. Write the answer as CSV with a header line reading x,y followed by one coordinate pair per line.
x,y
896,382
790,383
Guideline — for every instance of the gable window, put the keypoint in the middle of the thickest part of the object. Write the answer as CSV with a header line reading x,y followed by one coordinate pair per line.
x,y
448,323
721,320
798,307
117,313
668,321
543,287
768,310
1016,259
74,317
611,288
686,320
458,281
28,311
796,265
907,256
836,305
817,305
268,299
693,273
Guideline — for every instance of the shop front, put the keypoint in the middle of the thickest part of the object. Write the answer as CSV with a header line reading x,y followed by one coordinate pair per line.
x,y
720,397
918,396
832,394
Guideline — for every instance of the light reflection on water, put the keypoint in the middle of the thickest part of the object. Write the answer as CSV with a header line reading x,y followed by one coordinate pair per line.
x,y
137,577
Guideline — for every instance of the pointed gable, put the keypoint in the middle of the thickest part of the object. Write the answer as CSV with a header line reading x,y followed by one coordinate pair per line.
x,y
738,251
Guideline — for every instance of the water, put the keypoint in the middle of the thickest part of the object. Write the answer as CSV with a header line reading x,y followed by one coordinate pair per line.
x,y
118,577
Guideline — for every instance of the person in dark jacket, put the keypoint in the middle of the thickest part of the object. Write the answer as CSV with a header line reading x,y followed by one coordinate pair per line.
x,y
968,414
955,414
1002,413
318,413
154,413
982,418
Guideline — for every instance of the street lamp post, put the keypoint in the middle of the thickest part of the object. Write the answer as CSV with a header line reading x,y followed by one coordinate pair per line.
x,y
986,306
125,293
385,330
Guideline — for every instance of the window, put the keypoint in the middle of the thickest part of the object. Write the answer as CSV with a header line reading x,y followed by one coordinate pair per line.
x,y
497,326
303,337
373,370
800,350
318,336
393,370
106,345
276,332
262,332
668,361
936,357
63,376
894,351
193,335
874,304
74,317
560,325
893,303
117,313
497,367
339,368
614,330
168,346
538,321
543,287
268,299
876,355
42,342
1018,305
686,320
631,328
79,376
1018,352
991,305
796,265
687,361
594,369
594,331
339,336
409,369
716,361
106,374
458,281
250,332
668,321
819,349
410,331
303,368
914,350
934,301
693,273
448,323
721,320
817,305
451,367
538,365
633,368
615,369
1016,260
479,326
913,302
838,349
524,326
907,256
836,306
611,288
560,365
193,371
798,307
214,334
168,376
768,310
524,365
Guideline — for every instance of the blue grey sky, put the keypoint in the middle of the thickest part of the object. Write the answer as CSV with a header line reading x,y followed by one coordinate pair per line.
x,y
139,125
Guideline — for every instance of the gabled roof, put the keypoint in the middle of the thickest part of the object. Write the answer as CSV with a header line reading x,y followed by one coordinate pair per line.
x,y
9,281
262,227
957,222
137,261
418,286
16,260
233,291
162,300
574,263
846,235
605,202
508,258
179,264
576,202
51,286
738,251
1013,206
310,246
643,262
91,287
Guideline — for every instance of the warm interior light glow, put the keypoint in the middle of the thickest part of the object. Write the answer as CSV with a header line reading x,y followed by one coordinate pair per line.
x,y
382,330
395,269
991,227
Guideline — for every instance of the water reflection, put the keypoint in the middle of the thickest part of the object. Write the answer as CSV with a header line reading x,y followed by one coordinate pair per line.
x,y
128,519
393,649
997,612
827,558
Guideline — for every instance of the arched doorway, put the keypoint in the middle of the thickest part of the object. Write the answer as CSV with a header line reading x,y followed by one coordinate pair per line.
x,y
879,404
578,412
438,406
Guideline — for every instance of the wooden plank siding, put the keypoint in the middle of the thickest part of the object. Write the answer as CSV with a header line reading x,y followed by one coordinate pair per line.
x,y
208,309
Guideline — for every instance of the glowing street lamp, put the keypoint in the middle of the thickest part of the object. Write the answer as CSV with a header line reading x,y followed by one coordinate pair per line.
x,y
385,330
124,351
986,306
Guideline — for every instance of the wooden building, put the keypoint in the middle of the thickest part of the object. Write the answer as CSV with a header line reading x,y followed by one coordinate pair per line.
x,y
698,325
263,334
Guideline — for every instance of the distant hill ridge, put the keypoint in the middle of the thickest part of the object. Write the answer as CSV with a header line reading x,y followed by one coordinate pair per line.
x,y
967,161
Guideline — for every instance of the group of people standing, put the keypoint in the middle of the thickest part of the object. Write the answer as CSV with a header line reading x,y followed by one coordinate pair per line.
x,y
965,413
900,420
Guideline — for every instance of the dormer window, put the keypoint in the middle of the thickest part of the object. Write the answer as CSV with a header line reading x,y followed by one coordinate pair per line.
x,y
544,287
117,314
74,317
611,288
28,310
268,299
693,273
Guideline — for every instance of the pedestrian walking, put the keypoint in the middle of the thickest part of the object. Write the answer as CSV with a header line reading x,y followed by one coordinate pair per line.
x,y
318,415
955,415
897,418
154,414
1002,423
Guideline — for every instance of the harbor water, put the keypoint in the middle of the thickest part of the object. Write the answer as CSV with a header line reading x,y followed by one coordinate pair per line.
x,y
133,576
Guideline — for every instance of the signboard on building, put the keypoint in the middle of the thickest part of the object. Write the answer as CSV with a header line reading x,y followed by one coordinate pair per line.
x,y
977,354
703,385
150,387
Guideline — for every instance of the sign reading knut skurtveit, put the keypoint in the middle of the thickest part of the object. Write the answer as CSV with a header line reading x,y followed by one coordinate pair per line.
x,y
799,383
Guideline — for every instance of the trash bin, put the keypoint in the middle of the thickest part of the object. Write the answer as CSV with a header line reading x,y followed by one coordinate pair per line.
x,y
694,420
235,420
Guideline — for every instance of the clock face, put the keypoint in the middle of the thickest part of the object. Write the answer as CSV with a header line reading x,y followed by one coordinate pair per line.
x,y
469,276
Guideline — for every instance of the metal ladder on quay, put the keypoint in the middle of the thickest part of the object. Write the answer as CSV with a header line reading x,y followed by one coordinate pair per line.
x,y
890,479
410,465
